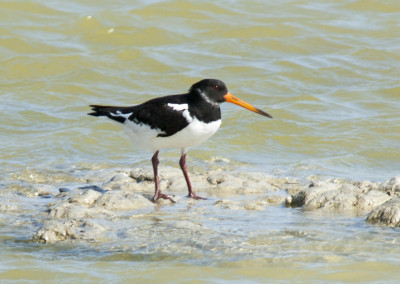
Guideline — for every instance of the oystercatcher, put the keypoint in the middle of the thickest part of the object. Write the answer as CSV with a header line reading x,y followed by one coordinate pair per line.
x,y
176,121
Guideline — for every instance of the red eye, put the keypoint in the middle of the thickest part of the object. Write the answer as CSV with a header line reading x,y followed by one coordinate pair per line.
x,y
215,87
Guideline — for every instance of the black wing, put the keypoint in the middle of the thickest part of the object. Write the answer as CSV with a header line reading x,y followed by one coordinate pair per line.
x,y
155,113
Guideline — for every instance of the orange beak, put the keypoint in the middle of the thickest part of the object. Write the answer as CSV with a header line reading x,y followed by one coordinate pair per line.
x,y
234,100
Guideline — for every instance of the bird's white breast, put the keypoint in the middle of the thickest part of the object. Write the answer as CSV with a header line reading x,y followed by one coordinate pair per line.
x,y
195,133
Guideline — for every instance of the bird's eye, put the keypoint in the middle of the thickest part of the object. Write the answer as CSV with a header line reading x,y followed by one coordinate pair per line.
x,y
215,87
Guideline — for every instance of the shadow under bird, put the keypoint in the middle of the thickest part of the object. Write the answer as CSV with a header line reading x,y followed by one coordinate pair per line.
x,y
176,121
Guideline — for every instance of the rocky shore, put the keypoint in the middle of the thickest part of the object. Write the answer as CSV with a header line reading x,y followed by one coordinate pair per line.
x,y
103,205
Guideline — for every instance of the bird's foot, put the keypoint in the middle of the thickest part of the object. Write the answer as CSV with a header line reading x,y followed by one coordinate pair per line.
x,y
196,197
163,196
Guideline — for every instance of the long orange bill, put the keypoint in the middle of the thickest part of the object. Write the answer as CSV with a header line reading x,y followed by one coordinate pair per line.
x,y
234,100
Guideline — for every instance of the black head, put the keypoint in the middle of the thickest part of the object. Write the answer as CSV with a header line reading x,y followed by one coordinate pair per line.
x,y
211,90
214,92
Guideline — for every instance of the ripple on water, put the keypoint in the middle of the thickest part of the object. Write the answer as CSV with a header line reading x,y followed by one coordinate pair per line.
x,y
327,72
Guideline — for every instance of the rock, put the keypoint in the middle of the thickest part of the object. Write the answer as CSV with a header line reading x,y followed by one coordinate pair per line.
x,y
338,197
116,206
391,187
9,204
387,214
367,185
54,231
142,175
274,200
121,181
93,187
187,225
258,204
73,215
88,203
66,210
241,183
83,196
117,200
228,204
217,178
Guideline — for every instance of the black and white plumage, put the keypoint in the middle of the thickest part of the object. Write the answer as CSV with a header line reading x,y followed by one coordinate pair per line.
x,y
176,121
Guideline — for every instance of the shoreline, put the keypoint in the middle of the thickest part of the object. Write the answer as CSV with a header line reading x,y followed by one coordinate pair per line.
x,y
85,204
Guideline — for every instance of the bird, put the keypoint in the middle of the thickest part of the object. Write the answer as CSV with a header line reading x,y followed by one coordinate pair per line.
x,y
175,121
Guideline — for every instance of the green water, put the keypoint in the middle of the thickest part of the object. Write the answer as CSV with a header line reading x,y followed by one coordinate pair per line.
x,y
327,71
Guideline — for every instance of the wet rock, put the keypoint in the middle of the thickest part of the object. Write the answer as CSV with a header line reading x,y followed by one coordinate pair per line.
x,y
95,176
117,205
340,196
121,181
83,196
217,178
55,231
93,187
117,200
9,204
228,204
391,187
387,214
88,203
274,200
73,215
77,203
142,174
254,206
68,211
367,185
258,204
173,182
241,183
187,225
141,179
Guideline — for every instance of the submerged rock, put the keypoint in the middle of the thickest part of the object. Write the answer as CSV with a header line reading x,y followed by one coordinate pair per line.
x,y
387,214
258,204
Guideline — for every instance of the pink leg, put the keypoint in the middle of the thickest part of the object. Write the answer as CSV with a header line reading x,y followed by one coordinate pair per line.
x,y
158,194
182,163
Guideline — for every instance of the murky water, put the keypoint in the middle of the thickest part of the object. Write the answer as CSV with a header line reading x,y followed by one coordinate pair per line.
x,y
327,72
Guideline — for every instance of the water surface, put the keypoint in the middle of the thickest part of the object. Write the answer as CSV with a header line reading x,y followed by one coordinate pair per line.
x,y
327,72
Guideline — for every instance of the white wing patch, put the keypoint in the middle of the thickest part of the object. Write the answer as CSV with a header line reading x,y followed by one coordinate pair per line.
x,y
179,107
185,111
119,113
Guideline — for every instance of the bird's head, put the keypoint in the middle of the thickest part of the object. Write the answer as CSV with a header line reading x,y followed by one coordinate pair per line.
x,y
215,92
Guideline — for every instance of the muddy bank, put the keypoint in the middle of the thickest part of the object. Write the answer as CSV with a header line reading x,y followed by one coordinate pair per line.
x,y
108,205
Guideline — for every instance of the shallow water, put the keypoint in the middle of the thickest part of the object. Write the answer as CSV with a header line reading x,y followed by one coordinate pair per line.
x,y
327,72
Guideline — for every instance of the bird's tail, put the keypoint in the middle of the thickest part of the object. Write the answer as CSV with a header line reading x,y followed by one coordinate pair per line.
x,y
116,113
100,110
